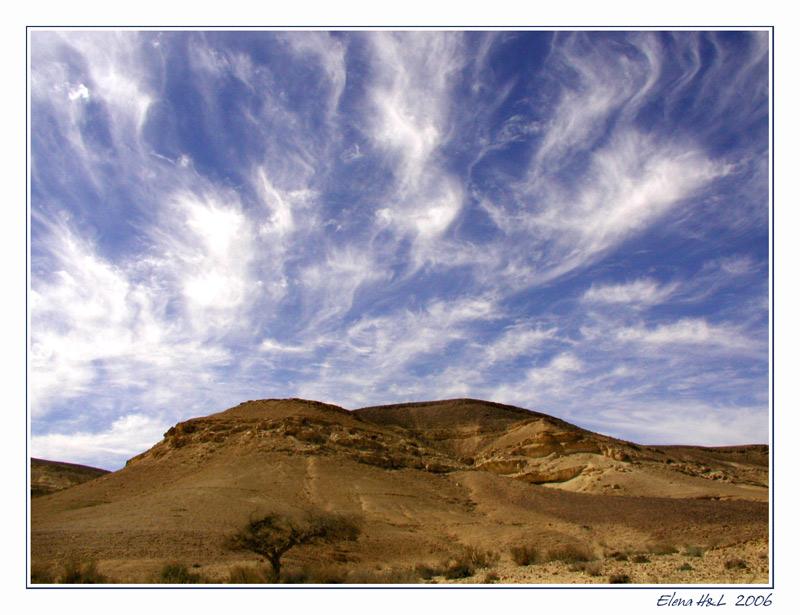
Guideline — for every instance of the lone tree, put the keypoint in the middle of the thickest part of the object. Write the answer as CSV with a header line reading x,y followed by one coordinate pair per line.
x,y
272,535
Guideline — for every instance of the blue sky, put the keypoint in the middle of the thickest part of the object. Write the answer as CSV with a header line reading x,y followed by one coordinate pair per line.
x,y
572,222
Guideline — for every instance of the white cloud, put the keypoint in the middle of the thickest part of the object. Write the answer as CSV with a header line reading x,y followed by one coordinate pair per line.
x,y
688,422
116,71
690,331
642,292
271,346
518,341
94,320
410,95
738,265
205,246
631,183
78,92
329,53
129,435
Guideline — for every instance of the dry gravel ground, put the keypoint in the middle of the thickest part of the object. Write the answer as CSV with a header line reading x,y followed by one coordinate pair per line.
x,y
751,567
426,481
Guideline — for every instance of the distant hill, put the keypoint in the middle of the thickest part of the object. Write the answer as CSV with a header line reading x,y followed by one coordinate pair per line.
x,y
427,479
51,476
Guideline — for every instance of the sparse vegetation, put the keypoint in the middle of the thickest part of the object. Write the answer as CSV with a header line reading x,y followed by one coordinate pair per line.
x,y
462,565
640,558
525,555
736,564
249,575
619,578
694,551
361,576
177,573
42,573
77,573
459,569
480,558
685,566
663,548
426,572
569,554
316,574
272,535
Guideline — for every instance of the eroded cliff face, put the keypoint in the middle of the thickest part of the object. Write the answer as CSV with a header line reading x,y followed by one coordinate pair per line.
x,y
304,435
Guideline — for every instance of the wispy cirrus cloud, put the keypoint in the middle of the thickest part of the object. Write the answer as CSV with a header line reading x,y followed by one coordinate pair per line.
x,y
639,293
572,222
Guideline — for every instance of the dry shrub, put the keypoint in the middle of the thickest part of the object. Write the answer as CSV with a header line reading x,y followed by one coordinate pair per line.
x,y
490,577
314,574
480,558
462,565
76,573
525,555
685,566
337,575
249,575
640,559
176,573
694,551
426,572
362,576
42,573
736,564
459,569
619,578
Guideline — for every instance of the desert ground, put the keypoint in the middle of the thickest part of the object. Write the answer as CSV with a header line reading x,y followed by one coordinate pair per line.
x,y
457,491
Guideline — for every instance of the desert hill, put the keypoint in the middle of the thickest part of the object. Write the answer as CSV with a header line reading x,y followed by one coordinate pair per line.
x,y
426,480
50,476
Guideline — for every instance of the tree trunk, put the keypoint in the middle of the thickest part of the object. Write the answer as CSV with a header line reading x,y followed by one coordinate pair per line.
x,y
275,562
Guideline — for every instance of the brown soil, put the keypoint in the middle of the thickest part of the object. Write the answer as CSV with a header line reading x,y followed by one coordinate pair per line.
x,y
427,481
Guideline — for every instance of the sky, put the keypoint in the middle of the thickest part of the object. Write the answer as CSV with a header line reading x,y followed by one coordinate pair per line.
x,y
576,223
